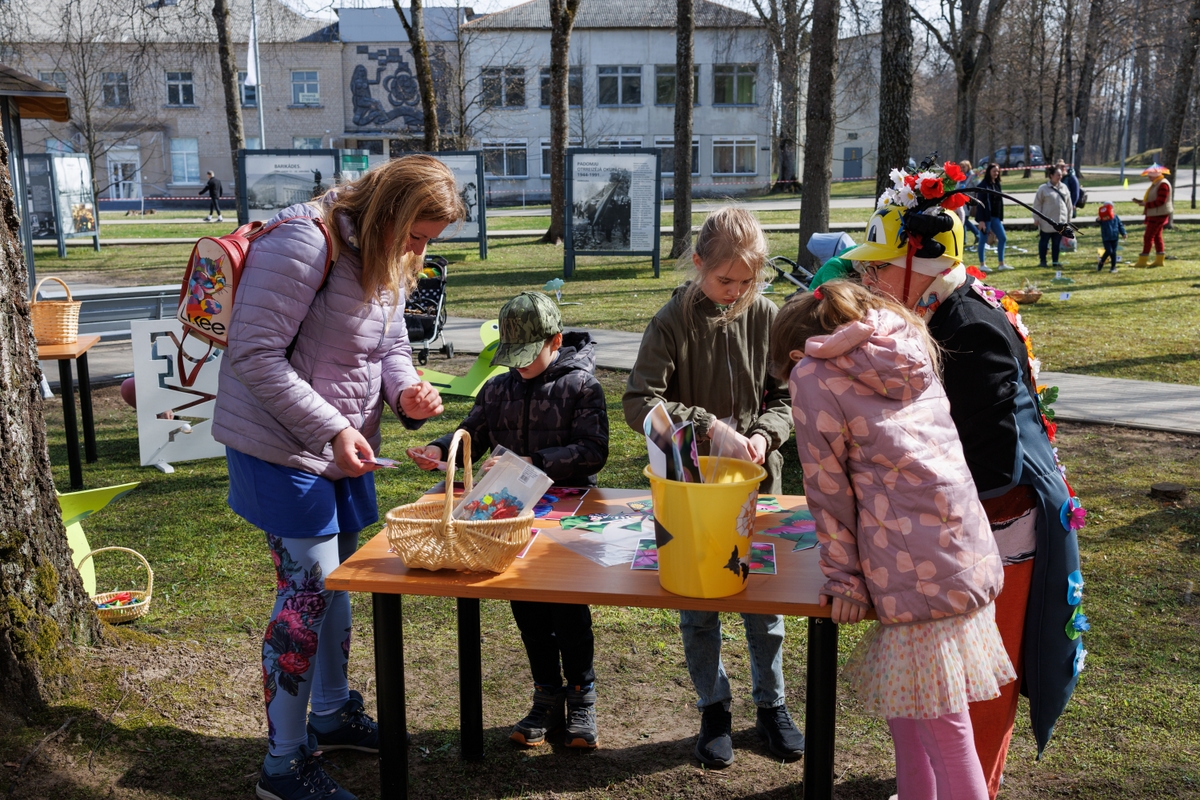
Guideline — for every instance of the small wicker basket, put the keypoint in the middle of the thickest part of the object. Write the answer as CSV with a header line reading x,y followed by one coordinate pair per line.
x,y
55,321
140,601
425,535
1025,296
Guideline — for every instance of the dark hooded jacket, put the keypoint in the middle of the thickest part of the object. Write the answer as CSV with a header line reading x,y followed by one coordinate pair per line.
x,y
994,406
558,419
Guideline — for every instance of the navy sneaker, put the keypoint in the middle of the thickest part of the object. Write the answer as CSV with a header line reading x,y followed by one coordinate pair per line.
x,y
356,732
714,745
581,718
783,738
305,779
545,716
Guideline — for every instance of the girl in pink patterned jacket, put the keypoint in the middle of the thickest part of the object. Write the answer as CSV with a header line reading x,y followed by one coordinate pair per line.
x,y
900,527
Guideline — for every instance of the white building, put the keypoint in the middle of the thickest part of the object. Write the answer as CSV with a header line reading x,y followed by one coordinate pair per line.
x,y
622,92
856,108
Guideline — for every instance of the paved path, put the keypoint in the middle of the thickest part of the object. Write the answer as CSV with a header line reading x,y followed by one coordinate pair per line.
x,y
1082,398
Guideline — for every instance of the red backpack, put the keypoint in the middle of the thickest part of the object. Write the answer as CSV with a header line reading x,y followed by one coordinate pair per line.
x,y
210,284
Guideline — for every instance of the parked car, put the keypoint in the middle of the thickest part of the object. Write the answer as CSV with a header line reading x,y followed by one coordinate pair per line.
x,y
1014,156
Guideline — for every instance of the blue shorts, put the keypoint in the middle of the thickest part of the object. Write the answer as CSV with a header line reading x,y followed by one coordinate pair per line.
x,y
295,504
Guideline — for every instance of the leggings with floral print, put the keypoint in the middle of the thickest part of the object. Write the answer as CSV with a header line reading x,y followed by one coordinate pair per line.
x,y
306,649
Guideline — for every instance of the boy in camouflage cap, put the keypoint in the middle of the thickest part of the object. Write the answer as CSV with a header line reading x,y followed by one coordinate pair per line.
x,y
550,410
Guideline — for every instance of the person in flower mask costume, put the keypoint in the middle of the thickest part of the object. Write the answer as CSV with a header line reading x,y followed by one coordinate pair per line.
x,y
913,254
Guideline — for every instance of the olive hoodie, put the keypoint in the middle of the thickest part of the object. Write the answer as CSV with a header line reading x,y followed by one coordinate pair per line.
x,y
705,371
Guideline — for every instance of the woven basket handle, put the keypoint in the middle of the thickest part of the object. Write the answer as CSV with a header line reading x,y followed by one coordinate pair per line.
x,y
145,563
61,282
468,476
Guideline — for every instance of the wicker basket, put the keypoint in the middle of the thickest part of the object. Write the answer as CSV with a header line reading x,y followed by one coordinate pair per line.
x,y
115,615
1025,296
424,535
55,321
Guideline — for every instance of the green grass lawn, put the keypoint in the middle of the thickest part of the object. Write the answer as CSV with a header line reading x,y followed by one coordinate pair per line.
x,y
172,709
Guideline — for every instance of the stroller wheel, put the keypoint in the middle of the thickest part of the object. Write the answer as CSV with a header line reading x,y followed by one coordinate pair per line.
x,y
423,357
448,349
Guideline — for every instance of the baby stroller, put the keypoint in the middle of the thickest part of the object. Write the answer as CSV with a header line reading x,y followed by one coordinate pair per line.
x,y
425,310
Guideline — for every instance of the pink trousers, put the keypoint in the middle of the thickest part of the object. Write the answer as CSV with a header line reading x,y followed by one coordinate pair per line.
x,y
935,758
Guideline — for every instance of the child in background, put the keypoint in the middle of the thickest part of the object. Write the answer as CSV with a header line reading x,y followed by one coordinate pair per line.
x,y
900,526
704,355
1111,229
550,410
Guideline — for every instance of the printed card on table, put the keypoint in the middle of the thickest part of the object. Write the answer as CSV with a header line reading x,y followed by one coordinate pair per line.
x,y
559,502
798,527
532,536
762,558
641,506
646,556
768,504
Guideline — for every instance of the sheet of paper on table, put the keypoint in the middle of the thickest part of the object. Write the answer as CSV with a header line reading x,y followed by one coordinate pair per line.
x,y
608,544
762,557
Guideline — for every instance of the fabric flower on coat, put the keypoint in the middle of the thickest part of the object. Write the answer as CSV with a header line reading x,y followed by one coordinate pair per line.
x,y
942,521
822,470
896,471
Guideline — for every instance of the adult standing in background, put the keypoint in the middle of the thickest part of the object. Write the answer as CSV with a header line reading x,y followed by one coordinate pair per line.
x,y
1054,201
213,190
1071,181
1158,208
989,212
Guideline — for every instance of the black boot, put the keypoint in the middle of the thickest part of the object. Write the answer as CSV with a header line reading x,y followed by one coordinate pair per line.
x,y
783,738
581,718
714,746
545,716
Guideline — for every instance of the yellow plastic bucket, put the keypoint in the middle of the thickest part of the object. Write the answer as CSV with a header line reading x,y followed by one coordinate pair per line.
x,y
703,529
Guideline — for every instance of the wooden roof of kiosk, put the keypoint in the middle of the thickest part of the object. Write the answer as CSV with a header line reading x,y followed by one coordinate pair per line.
x,y
35,99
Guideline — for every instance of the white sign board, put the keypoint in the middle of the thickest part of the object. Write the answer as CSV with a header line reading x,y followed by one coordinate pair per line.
x,y
466,178
174,421
614,201
272,180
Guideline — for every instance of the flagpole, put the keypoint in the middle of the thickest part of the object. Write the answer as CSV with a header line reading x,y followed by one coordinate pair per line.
x,y
258,92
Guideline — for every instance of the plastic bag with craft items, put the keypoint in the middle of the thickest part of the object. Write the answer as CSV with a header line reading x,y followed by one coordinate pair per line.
x,y
507,489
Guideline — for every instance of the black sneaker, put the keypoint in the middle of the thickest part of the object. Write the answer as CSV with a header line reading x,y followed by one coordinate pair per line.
x,y
581,718
783,738
357,732
545,716
714,745
305,780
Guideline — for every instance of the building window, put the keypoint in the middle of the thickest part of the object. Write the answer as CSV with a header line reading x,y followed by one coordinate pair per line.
x,y
735,156
505,158
306,90
372,146
59,79
503,87
124,172
664,85
573,141
253,143
619,86
666,148
180,91
185,161
623,142
249,94
734,84
58,146
852,135
306,142
574,87
115,89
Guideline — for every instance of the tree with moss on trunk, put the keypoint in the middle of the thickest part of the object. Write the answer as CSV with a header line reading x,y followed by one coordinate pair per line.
x,y
44,612
420,54
895,90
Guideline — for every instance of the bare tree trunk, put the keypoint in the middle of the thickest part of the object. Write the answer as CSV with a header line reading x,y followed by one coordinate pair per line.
x,y
685,27
818,139
789,116
562,20
895,90
420,53
229,82
1087,76
1185,73
45,610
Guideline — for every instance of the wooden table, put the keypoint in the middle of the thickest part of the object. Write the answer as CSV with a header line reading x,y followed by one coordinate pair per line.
x,y
552,573
64,354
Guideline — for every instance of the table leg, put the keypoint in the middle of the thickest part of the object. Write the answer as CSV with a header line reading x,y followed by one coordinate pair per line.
x,y
66,387
389,694
470,680
820,709
85,409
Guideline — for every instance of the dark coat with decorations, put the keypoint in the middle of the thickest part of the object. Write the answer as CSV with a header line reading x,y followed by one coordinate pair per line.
x,y
994,406
558,419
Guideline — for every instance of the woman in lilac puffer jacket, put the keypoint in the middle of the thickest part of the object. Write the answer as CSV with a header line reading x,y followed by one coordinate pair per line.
x,y
309,366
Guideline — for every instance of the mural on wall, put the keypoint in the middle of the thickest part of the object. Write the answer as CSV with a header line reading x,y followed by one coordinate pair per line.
x,y
400,90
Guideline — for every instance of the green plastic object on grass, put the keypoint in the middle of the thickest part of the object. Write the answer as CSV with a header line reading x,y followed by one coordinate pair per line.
x,y
480,373
76,506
